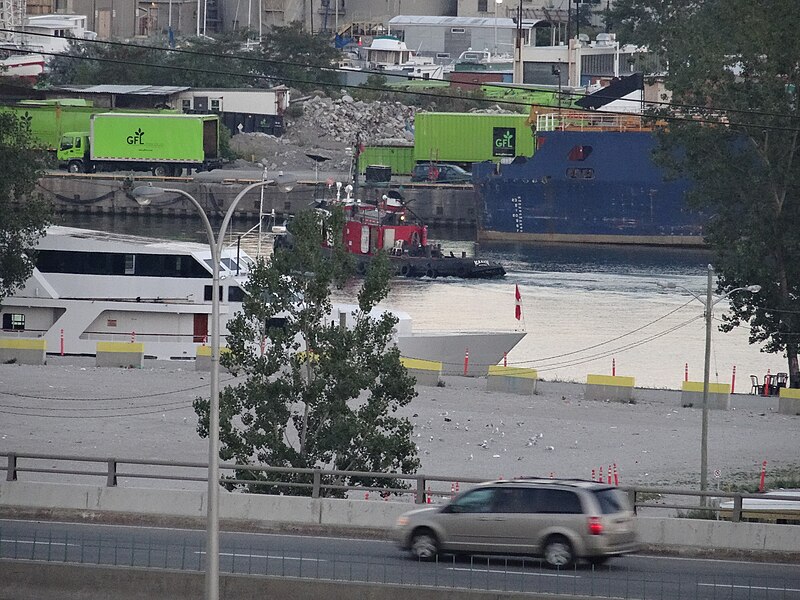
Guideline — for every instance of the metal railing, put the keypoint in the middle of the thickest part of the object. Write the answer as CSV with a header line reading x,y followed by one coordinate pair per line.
x,y
419,488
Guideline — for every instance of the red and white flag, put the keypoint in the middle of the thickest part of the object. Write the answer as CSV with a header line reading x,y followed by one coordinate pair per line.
x,y
518,307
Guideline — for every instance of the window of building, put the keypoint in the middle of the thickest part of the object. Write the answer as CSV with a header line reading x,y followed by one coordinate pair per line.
x,y
215,106
13,321
482,5
186,105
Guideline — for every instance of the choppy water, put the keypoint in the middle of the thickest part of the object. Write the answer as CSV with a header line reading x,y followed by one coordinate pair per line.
x,y
583,307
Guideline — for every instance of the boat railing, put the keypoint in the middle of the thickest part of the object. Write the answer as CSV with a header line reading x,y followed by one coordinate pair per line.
x,y
135,336
590,121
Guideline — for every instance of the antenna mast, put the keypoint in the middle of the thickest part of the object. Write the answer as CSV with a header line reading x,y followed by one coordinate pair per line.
x,y
12,16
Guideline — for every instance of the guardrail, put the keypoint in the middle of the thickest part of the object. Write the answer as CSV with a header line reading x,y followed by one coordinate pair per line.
x,y
420,488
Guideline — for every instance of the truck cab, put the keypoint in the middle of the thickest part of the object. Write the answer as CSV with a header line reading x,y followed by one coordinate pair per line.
x,y
73,151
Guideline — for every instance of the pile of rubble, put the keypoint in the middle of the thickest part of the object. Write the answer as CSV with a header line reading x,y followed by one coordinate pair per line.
x,y
328,128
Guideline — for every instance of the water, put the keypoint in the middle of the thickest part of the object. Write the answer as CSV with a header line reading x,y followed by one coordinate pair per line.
x,y
585,308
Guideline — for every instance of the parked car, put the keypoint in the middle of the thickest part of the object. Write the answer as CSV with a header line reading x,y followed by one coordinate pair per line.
x,y
560,520
434,173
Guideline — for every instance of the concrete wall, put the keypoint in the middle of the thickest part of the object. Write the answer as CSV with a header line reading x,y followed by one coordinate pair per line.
x,y
452,206
366,515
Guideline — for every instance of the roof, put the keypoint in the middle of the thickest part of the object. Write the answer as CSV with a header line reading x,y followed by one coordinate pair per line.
x,y
135,90
502,23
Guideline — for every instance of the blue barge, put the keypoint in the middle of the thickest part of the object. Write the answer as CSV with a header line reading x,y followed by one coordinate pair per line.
x,y
592,179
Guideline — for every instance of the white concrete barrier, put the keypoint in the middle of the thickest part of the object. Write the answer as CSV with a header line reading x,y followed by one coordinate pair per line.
x,y
270,511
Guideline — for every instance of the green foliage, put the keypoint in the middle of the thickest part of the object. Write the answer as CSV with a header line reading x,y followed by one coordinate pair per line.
x,y
23,216
299,59
320,394
734,75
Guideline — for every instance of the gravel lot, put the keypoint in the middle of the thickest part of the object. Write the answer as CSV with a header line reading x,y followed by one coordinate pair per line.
x,y
71,407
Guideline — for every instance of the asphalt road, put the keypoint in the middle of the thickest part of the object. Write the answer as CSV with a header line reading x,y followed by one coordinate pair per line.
x,y
346,559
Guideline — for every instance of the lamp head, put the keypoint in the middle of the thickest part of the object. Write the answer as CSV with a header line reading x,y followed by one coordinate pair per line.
x,y
144,194
285,183
753,288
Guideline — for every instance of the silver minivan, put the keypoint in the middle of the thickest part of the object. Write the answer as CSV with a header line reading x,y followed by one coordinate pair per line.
x,y
561,520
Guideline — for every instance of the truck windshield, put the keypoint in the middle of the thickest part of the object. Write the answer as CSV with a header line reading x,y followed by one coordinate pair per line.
x,y
67,143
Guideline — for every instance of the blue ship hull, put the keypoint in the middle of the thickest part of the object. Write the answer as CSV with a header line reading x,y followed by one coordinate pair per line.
x,y
586,186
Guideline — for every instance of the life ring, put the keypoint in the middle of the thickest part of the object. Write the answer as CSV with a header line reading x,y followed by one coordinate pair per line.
x,y
361,268
405,270
431,273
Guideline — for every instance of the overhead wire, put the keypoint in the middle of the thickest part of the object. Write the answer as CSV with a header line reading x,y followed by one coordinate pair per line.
x,y
283,79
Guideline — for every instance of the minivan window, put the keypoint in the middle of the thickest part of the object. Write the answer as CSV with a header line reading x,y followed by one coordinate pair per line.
x,y
475,501
558,502
610,500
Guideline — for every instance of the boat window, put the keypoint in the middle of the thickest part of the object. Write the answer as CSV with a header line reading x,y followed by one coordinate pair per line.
x,y
229,264
114,263
207,293
577,173
580,152
482,5
130,264
13,322
235,294
442,55
457,30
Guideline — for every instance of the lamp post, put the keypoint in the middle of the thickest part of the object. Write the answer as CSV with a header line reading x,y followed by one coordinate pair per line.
x,y
708,304
496,4
143,195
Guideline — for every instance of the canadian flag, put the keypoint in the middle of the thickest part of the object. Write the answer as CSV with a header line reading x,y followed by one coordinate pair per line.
x,y
518,307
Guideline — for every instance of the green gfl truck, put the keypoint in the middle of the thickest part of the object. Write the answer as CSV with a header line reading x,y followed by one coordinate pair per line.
x,y
165,144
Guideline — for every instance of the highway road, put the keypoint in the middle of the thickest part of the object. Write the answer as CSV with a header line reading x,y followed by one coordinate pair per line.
x,y
349,559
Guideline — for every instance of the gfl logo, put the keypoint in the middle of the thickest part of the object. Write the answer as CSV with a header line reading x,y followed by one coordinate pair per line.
x,y
136,138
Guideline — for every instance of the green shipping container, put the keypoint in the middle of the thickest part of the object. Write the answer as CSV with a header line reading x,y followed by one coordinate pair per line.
x,y
465,138
400,158
154,138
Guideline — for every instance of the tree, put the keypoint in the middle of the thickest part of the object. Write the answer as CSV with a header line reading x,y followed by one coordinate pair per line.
x,y
23,217
299,59
316,393
733,73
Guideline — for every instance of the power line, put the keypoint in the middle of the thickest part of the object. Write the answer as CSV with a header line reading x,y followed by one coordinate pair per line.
x,y
526,104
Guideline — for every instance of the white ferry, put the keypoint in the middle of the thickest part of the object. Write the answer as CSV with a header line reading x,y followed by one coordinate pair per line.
x,y
92,286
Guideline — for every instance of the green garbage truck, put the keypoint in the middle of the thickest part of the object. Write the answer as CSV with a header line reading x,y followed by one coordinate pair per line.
x,y
165,144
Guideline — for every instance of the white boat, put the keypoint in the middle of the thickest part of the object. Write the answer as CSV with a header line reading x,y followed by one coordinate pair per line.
x,y
27,66
390,55
92,286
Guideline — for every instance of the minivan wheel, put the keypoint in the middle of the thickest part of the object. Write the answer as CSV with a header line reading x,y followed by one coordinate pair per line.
x,y
558,553
424,545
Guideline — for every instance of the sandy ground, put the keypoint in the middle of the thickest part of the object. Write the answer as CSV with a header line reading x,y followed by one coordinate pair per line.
x,y
71,407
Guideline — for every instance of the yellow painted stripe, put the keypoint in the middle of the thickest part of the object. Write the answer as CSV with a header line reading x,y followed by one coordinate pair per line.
x,y
420,364
206,350
790,393
615,380
135,347
713,388
522,372
24,344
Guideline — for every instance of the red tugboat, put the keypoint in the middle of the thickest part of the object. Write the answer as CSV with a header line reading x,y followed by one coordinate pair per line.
x,y
387,227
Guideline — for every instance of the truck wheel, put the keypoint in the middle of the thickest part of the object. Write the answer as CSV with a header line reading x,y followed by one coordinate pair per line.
x,y
75,166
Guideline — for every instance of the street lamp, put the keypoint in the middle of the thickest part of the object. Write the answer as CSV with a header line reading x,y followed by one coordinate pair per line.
x,y
496,4
708,304
143,195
